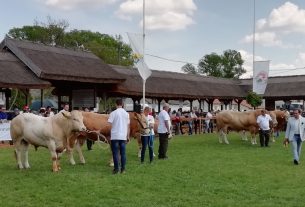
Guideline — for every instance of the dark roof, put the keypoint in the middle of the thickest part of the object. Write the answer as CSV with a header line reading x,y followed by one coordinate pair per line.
x,y
177,85
14,74
281,86
55,63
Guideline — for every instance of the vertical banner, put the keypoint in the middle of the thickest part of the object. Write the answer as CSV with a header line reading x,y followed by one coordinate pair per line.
x,y
136,43
260,76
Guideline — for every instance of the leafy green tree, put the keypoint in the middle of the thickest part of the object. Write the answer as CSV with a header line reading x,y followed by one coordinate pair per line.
x,y
50,33
211,65
189,68
111,49
232,64
254,99
227,65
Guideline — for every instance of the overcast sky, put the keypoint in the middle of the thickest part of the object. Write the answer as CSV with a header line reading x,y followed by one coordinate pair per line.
x,y
183,30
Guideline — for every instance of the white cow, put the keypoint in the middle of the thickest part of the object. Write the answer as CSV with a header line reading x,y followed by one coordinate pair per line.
x,y
50,132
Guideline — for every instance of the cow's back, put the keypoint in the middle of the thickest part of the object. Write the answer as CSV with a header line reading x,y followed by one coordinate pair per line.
x,y
32,128
235,120
97,122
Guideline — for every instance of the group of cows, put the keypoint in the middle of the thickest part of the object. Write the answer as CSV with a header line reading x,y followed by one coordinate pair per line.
x,y
68,130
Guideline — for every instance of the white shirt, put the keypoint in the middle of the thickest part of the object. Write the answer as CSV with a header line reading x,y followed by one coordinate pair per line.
x,y
151,121
208,117
163,116
120,121
263,121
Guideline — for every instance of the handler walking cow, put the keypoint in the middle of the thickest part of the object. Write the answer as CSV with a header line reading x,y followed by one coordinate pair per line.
x,y
264,128
50,132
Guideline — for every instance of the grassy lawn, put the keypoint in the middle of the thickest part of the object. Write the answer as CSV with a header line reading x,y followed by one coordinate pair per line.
x,y
199,172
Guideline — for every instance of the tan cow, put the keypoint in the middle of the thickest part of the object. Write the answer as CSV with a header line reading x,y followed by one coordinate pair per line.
x,y
50,132
99,123
239,121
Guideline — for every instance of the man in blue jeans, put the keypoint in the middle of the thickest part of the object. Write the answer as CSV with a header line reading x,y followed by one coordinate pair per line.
x,y
295,133
119,120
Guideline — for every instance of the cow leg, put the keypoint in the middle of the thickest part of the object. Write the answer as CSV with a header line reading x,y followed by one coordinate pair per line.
x,y
111,163
80,153
52,148
226,139
253,140
25,152
58,161
220,136
18,155
70,155
139,146
244,136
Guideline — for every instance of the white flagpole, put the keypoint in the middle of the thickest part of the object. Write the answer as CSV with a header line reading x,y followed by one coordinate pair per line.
x,y
144,81
253,41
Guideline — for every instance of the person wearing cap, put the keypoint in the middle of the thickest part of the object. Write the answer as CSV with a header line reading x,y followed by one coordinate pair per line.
x,y
26,109
163,131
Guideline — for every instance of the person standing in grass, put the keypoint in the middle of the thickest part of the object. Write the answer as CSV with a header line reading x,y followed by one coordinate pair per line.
x,y
119,120
147,135
295,133
163,131
264,128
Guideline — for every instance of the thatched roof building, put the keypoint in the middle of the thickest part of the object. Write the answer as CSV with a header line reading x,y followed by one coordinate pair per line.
x,y
55,63
15,74
173,85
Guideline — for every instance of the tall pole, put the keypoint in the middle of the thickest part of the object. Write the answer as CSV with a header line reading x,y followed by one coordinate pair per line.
x,y
144,81
253,40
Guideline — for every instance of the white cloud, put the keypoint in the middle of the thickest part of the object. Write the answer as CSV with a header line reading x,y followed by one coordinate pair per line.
x,y
264,38
77,4
284,20
287,18
300,61
167,15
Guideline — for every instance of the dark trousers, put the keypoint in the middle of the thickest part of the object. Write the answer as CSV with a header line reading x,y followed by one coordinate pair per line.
x,y
116,147
89,144
264,136
147,140
163,144
196,125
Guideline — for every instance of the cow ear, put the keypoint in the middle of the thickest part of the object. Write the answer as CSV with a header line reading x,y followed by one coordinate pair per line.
x,y
66,114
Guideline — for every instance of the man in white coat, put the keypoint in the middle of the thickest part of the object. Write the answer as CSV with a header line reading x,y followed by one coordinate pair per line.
x,y
295,133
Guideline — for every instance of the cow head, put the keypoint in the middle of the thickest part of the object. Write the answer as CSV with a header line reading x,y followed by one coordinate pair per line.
x,y
76,119
273,117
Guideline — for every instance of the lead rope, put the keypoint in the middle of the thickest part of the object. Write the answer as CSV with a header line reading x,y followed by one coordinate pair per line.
x,y
99,140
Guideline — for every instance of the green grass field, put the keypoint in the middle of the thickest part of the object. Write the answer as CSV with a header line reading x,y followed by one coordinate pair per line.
x,y
199,172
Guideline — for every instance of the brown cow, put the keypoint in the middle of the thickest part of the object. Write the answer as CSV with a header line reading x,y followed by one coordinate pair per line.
x,y
282,118
99,123
238,121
